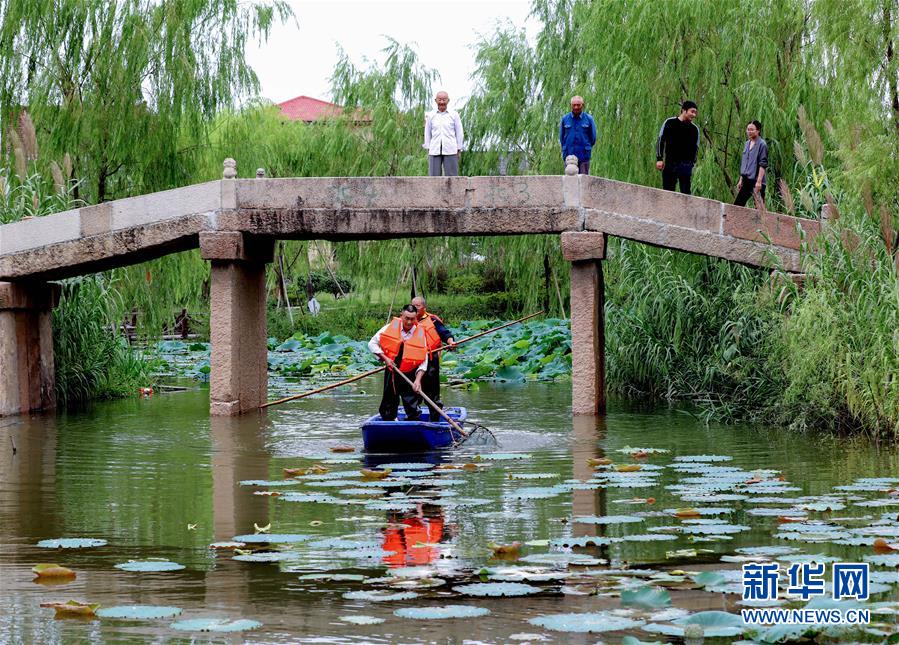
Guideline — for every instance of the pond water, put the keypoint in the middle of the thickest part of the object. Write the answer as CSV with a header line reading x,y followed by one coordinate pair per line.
x,y
158,479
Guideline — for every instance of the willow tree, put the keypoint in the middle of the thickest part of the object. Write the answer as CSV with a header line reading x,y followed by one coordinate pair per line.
x,y
127,88
634,63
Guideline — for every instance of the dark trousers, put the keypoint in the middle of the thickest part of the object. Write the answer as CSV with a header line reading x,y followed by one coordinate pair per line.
x,y
678,172
395,388
746,191
430,383
583,167
449,164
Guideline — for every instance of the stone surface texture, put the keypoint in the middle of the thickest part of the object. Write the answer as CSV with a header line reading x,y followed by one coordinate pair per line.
x,y
769,228
238,379
137,229
588,371
27,376
583,245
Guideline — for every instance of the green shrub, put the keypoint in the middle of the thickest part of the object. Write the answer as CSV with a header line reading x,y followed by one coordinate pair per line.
x,y
93,359
465,283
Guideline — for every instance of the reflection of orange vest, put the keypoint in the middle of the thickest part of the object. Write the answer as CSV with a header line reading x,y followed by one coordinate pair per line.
x,y
402,539
430,330
415,349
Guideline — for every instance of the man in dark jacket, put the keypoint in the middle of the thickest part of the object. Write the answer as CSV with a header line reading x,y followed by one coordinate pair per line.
x,y
677,147
577,135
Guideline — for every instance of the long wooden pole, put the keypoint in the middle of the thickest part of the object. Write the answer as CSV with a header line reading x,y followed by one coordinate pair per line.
x,y
382,368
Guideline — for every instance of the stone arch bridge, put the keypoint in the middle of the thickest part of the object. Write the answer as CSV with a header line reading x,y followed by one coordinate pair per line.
x,y
235,223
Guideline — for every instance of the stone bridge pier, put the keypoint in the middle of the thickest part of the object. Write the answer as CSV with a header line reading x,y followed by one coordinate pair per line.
x,y
238,379
586,250
27,378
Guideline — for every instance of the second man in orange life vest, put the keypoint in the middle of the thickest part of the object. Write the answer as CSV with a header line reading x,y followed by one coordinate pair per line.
x,y
401,344
436,335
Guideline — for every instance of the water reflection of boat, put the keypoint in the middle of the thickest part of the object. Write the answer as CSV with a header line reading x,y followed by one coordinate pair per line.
x,y
421,435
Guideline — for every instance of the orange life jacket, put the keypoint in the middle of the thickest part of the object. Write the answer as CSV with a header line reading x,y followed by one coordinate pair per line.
x,y
430,330
415,350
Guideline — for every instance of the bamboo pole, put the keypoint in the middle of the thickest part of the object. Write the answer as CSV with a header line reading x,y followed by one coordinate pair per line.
x,y
382,368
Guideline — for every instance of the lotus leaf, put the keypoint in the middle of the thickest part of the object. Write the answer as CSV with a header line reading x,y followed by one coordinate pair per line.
x,y
216,625
585,623
439,613
715,624
608,519
578,559
708,578
52,571
72,608
362,620
271,538
266,556
497,589
138,612
270,483
380,596
883,560
71,543
649,537
148,566
569,542
646,598
503,456
535,492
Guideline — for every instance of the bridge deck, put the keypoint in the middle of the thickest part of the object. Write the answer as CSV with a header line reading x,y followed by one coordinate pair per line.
x,y
136,229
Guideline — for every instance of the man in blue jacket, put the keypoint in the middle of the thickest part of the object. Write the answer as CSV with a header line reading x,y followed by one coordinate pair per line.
x,y
577,135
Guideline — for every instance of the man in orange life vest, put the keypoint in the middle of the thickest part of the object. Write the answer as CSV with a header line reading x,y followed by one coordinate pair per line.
x,y
401,344
436,334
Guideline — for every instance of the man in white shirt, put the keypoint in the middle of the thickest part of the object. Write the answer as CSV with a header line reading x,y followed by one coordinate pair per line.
x,y
443,138
401,345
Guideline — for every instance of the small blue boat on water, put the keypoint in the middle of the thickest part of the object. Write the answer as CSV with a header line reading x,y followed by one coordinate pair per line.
x,y
421,435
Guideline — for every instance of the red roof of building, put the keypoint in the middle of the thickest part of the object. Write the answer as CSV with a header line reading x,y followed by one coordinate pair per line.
x,y
308,109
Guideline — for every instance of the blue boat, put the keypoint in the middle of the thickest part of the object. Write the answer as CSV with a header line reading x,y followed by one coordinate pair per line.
x,y
421,435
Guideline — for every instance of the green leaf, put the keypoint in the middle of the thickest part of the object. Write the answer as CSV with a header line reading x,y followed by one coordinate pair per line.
x,y
646,598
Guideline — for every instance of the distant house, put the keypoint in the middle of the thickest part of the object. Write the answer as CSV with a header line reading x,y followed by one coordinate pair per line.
x,y
309,110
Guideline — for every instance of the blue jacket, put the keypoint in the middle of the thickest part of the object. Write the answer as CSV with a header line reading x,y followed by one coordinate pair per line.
x,y
577,134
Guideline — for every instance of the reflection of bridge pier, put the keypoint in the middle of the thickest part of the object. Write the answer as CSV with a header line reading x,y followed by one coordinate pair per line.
x,y
238,453
586,433
28,501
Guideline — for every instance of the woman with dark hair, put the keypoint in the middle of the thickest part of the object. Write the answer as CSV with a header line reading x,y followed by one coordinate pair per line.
x,y
753,167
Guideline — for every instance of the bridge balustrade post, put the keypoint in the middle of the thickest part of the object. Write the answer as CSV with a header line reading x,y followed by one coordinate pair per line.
x,y
27,370
586,250
238,379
